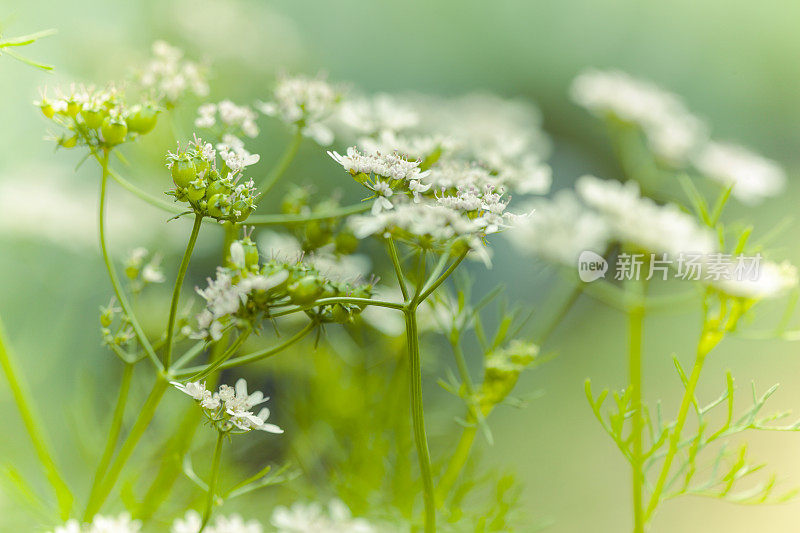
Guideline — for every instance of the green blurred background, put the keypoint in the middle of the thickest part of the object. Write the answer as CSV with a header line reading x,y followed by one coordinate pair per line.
x,y
735,63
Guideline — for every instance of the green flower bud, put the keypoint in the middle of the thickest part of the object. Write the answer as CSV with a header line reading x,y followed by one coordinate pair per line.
x,y
305,290
346,242
219,206
218,187
196,190
93,118
73,108
142,119
183,172
47,109
502,368
250,252
244,209
340,314
113,130
68,142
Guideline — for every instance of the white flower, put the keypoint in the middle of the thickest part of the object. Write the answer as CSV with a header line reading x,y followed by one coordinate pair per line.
x,y
392,166
560,229
639,221
170,76
671,130
772,280
232,151
71,526
232,117
224,297
312,518
121,524
305,102
246,420
152,273
418,188
379,113
195,389
191,523
411,145
753,177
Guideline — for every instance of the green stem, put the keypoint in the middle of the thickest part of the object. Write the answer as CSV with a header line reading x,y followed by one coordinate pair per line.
x,y
143,195
418,419
112,273
707,342
468,435
441,279
635,327
102,490
258,355
338,300
296,220
283,164
208,369
21,394
212,484
176,291
457,461
397,268
116,425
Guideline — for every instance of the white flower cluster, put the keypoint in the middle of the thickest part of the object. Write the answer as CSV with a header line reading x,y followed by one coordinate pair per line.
x,y
192,522
381,113
753,177
560,229
236,157
314,518
230,408
425,224
503,136
102,524
224,297
170,76
305,102
671,130
232,117
677,136
391,165
636,220
773,279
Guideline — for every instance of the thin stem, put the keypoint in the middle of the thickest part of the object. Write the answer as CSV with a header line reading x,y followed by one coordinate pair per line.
x,y
260,354
208,369
468,435
441,279
707,342
176,291
418,419
296,220
143,195
102,490
397,268
190,354
212,484
112,273
34,427
283,164
338,300
116,425
635,327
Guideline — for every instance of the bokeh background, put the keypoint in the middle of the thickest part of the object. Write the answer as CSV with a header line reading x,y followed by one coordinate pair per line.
x,y
735,63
